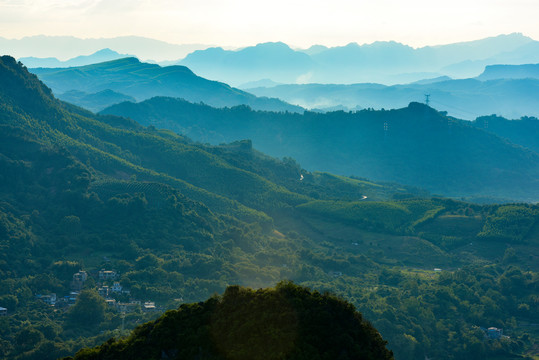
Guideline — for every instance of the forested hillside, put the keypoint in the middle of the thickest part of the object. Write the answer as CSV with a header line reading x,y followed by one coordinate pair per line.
x,y
416,145
121,222
130,77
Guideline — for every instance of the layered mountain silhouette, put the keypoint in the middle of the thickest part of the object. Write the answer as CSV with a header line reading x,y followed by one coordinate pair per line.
x,y
513,97
270,60
380,62
66,47
510,72
141,81
416,145
97,57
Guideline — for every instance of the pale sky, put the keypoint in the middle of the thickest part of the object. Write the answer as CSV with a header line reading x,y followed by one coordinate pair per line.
x,y
298,23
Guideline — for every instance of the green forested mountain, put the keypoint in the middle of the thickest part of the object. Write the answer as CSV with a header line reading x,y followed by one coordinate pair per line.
x,y
140,80
92,203
287,322
415,145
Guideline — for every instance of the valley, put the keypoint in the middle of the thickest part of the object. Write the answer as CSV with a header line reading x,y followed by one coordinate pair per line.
x,y
181,220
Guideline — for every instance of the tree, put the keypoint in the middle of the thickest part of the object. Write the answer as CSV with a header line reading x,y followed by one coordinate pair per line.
x,y
89,310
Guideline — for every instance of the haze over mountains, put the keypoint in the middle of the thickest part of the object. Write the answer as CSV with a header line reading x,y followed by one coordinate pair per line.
x,y
130,77
182,220
66,47
380,62
81,60
273,69
491,93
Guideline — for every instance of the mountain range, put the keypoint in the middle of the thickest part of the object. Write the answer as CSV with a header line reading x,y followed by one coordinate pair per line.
x,y
102,55
380,62
130,77
178,221
415,145
490,93
66,47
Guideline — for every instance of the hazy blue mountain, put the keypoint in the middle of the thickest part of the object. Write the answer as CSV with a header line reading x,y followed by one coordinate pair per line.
x,y
141,81
314,49
354,63
465,99
97,57
525,54
510,72
275,61
259,83
432,81
478,49
386,62
94,102
66,47
420,146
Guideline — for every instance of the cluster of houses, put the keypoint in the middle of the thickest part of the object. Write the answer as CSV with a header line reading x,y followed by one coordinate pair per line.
x,y
108,292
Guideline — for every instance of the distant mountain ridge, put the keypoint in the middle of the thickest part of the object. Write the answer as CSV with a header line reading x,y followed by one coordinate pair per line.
x,y
461,98
97,57
510,72
69,47
385,62
140,80
269,60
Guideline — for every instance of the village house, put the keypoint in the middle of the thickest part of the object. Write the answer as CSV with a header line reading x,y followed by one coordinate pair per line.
x,y
48,299
127,307
494,333
107,275
148,306
116,287
78,280
104,291
3,311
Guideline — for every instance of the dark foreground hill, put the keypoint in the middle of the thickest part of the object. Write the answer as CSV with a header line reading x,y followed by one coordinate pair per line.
x,y
141,81
288,322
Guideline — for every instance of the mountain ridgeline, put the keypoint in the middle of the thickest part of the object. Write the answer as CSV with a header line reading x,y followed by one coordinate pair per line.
x,y
416,145
385,62
510,96
141,81
175,221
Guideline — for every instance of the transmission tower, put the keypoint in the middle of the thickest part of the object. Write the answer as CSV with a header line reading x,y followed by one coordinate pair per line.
x,y
427,99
